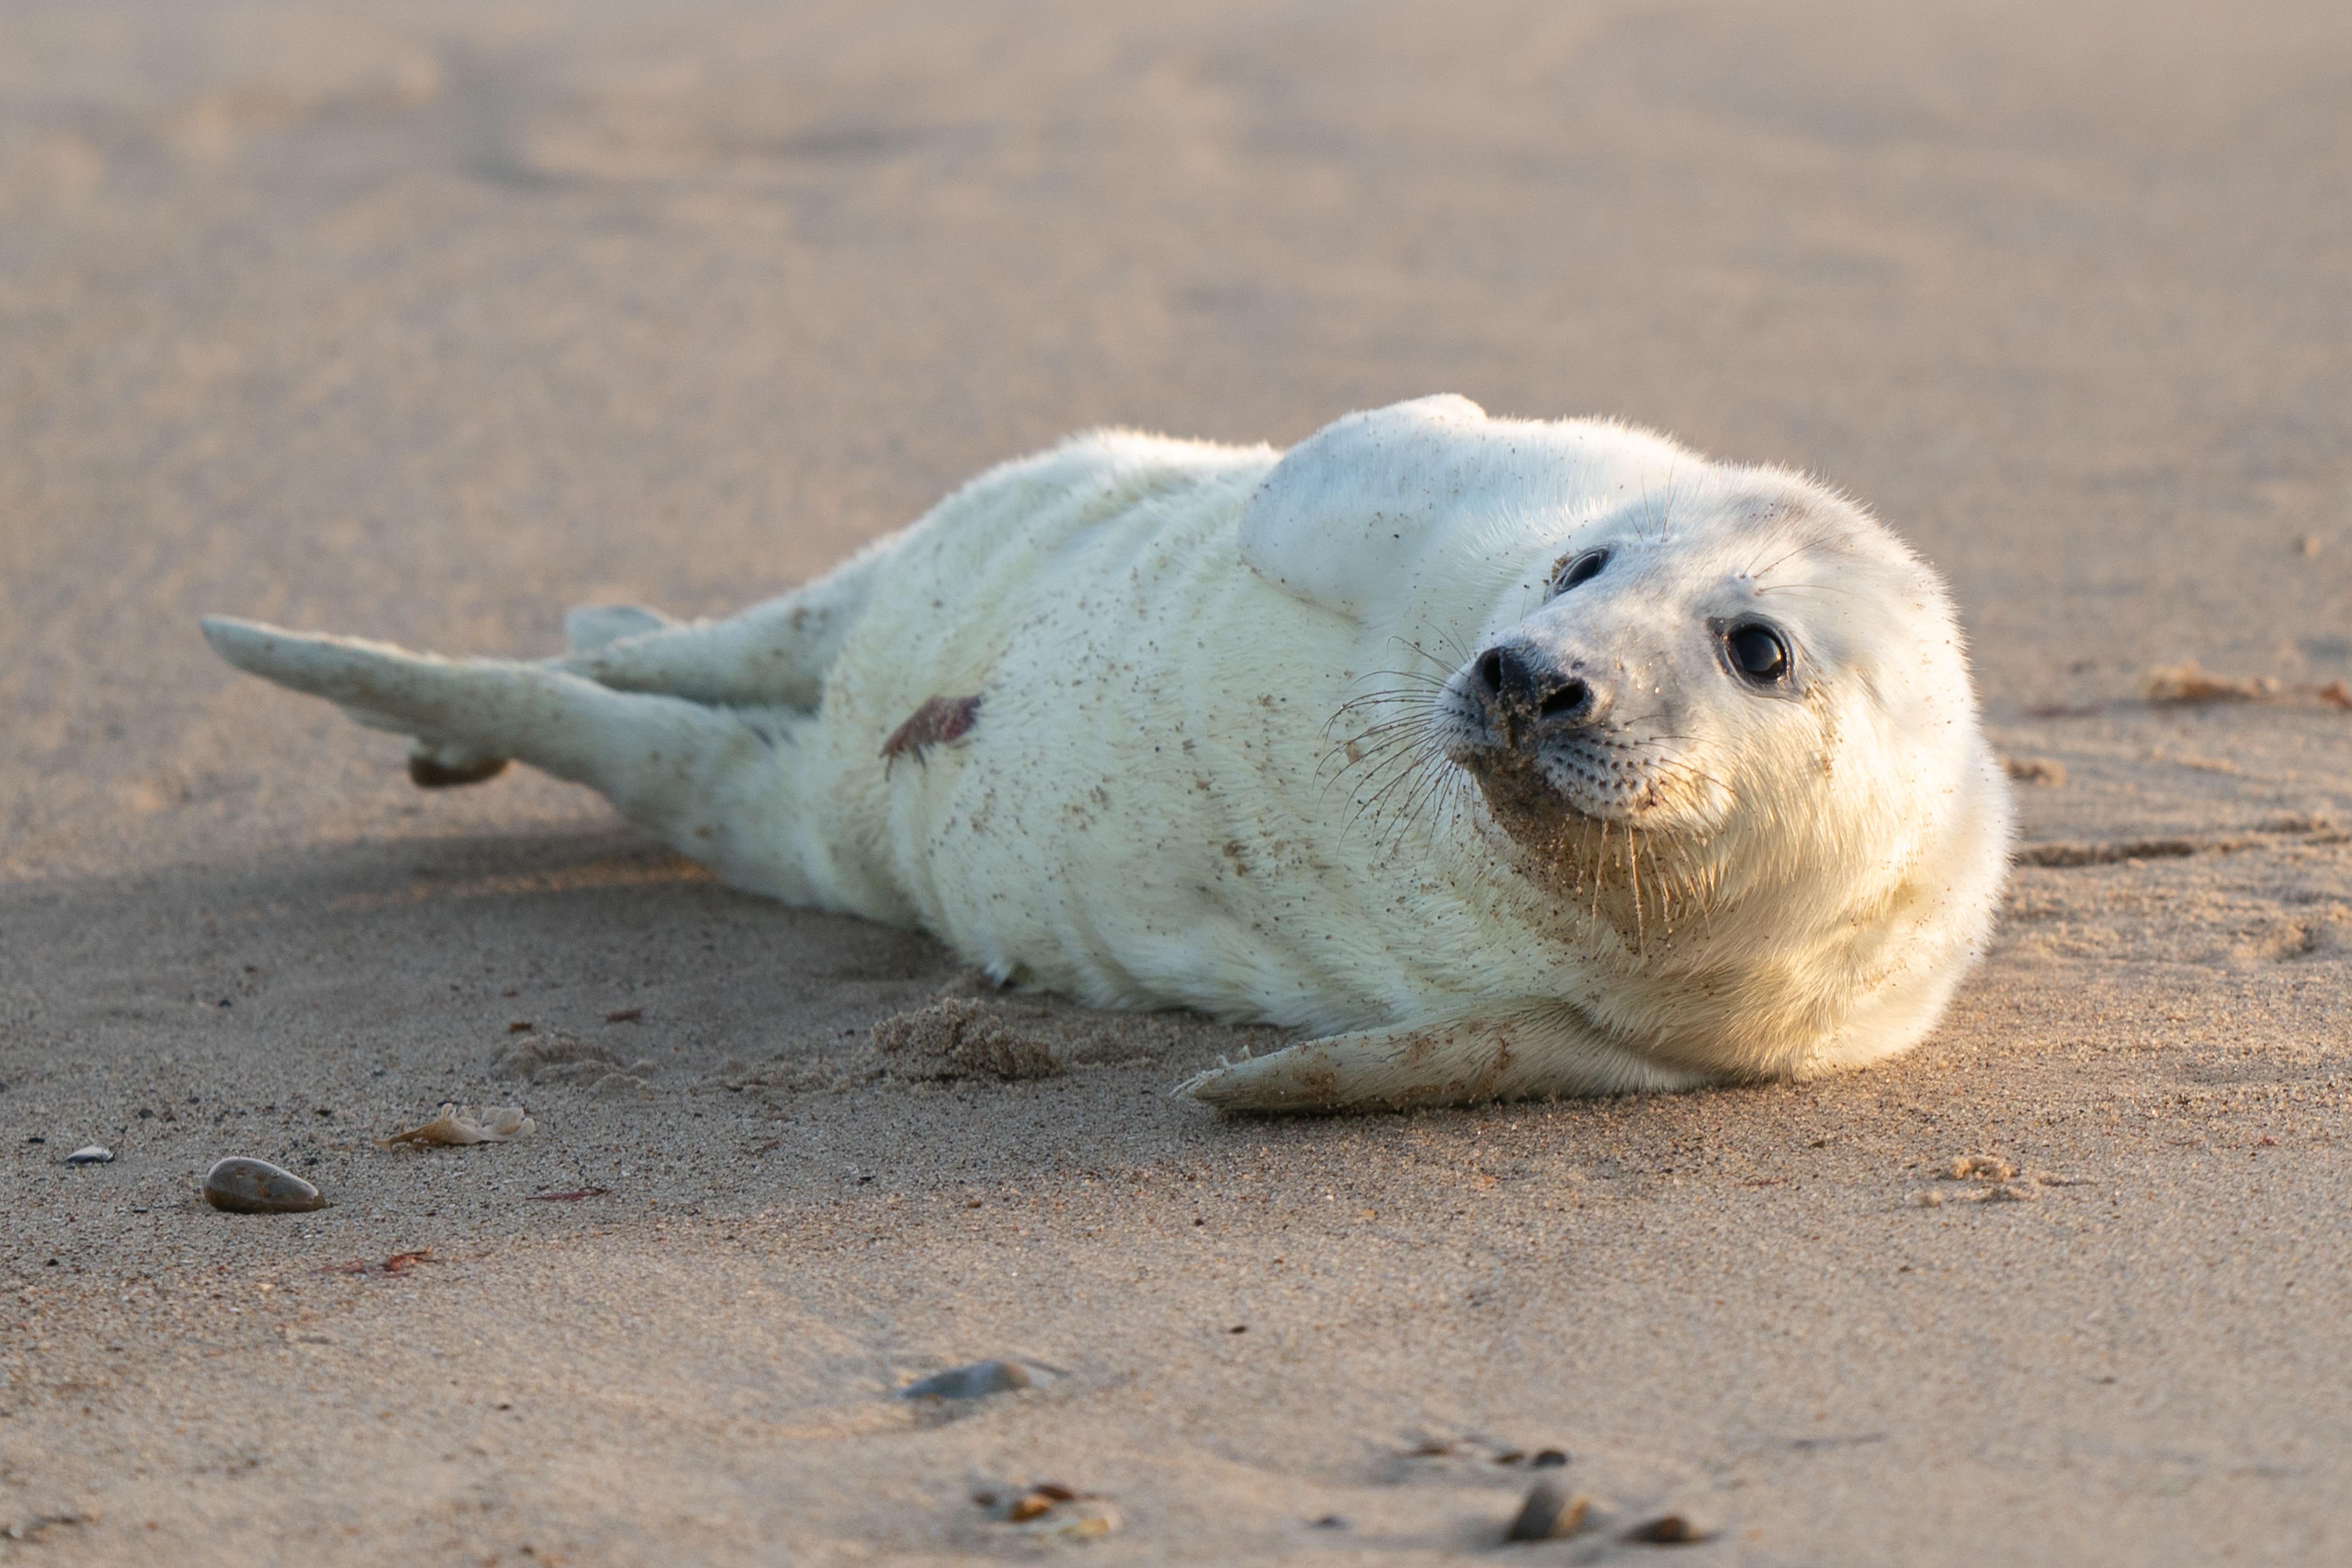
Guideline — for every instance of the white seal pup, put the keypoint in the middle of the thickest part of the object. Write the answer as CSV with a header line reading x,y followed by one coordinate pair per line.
x,y
1505,757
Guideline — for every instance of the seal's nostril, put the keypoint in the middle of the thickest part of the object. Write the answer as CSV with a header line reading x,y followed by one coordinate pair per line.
x,y
1565,700
1490,671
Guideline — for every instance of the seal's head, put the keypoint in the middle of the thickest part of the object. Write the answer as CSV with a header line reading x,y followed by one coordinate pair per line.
x,y
1742,666
1724,707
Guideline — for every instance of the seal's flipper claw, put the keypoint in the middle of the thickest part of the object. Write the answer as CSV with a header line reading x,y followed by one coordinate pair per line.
x,y
588,627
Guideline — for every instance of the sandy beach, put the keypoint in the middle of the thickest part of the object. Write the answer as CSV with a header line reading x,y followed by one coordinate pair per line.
x,y
425,322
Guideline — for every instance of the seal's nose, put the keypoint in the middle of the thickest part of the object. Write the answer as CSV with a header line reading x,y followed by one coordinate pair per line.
x,y
1525,695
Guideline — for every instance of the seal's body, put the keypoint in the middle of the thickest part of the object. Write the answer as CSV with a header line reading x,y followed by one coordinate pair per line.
x,y
1508,758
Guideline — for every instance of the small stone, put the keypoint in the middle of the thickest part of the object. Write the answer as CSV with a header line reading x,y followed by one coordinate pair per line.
x,y
1549,1514
241,1185
90,1155
1547,1458
980,1378
1666,1529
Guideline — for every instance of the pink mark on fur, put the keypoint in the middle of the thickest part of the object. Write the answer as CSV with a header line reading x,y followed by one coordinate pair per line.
x,y
940,721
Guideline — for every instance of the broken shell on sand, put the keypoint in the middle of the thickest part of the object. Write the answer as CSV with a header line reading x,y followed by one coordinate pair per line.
x,y
243,1186
455,1124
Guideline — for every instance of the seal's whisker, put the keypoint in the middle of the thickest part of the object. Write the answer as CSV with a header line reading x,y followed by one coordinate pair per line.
x,y
1424,794
1375,789
1380,776
1453,643
1405,775
1404,764
1432,774
1423,693
1379,738
1403,721
1426,653
1359,748
1754,572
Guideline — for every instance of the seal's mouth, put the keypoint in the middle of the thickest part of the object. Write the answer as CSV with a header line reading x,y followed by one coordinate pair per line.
x,y
1531,803
1593,775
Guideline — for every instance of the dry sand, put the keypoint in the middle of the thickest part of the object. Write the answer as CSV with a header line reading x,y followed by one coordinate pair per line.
x,y
426,321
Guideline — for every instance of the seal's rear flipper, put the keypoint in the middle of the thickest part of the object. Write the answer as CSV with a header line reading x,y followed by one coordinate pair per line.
x,y
588,627
675,767
775,654
1544,1050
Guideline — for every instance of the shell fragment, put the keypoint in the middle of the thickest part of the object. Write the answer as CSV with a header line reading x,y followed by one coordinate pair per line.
x,y
457,1124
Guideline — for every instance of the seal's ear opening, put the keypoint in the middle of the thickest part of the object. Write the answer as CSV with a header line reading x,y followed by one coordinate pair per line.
x,y
1345,518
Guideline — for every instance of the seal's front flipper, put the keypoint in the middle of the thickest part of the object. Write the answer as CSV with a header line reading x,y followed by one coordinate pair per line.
x,y
1546,1049
695,775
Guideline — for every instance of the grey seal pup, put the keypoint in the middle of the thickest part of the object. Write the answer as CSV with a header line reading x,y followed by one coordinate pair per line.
x,y
1500,757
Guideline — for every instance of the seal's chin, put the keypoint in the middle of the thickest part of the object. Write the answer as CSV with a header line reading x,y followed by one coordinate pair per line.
x,y
1631,862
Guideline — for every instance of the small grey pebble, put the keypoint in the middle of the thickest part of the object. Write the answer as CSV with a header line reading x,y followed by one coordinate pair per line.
x,y
90,1155
1548,1513
972,1382
243,1186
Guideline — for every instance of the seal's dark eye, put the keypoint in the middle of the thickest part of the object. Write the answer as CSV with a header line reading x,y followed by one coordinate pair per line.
x,y
1583,569
1759,652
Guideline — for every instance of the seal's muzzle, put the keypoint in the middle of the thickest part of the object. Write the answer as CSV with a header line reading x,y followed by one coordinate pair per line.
x,y
1520,699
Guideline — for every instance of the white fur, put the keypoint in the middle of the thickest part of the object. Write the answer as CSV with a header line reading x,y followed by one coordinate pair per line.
x,y
1207,767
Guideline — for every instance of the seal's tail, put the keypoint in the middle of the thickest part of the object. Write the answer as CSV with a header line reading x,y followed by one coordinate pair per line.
x,y
681,768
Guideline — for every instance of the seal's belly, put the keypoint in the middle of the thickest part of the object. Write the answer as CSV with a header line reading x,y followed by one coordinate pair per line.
x,y
1124,824
1149,807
